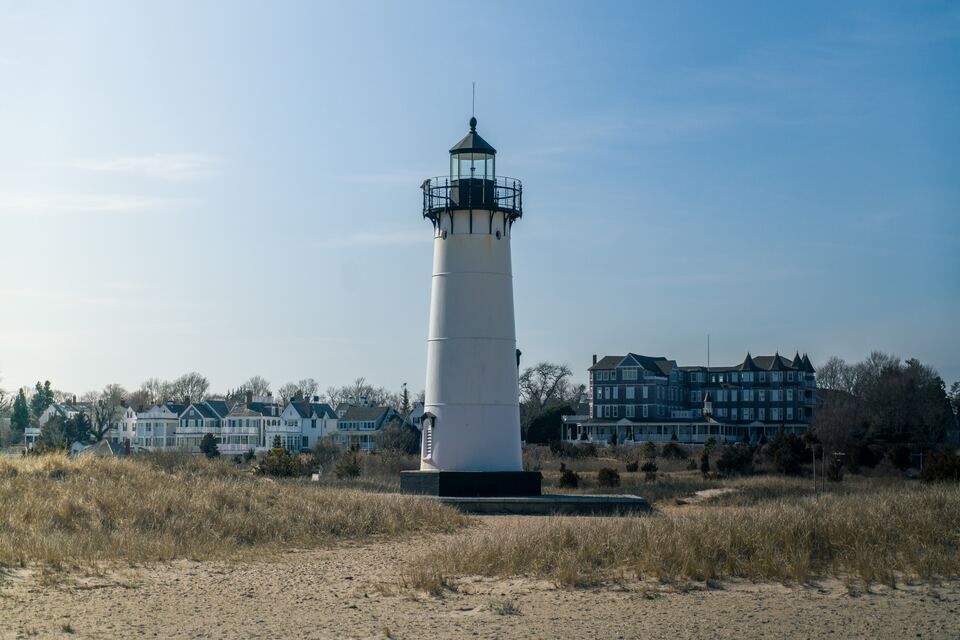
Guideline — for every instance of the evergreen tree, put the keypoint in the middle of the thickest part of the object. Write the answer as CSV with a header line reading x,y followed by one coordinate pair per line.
x,y
276,443
20,419
208,446
42,398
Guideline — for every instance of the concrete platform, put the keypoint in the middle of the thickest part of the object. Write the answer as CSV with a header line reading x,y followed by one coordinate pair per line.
x,y
551,504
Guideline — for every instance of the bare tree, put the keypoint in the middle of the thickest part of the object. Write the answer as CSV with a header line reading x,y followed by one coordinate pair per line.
x,y
835,374
156,391
190,385
543,384
306,388
258,385
140,400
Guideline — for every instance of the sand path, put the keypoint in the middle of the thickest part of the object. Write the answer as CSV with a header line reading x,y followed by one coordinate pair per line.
x,y
353,591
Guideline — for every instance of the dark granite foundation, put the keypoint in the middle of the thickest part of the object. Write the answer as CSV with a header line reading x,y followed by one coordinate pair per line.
x,y
471,484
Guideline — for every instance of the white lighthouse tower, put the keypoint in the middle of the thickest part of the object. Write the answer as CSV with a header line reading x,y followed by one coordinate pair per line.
x,y
471,421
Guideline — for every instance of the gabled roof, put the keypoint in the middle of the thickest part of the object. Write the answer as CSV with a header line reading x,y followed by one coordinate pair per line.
x,y
175,407
306,409
354,413
607,362
797,363
654,364
219,407
807,365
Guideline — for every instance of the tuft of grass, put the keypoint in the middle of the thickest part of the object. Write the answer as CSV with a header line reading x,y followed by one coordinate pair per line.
x,y
504,607
66,627
911,531
59,510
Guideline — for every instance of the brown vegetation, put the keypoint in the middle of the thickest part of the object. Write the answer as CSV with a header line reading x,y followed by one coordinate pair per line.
x,y
873,535
62,510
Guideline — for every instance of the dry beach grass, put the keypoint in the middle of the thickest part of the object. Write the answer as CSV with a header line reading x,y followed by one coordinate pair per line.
x,y
60,510
892,533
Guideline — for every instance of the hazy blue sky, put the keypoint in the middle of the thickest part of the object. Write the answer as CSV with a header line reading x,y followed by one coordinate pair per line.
x,y
232,187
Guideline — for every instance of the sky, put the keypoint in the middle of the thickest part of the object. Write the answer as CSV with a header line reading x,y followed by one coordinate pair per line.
x,y
233,187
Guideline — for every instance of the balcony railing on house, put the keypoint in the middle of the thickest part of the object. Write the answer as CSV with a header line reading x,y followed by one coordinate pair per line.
x,y
441,195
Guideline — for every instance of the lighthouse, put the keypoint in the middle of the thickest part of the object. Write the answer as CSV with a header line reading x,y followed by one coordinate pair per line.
x,y
471,421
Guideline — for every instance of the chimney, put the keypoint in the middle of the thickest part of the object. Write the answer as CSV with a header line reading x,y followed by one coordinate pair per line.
x,y
363,401
186,401
315,399
249,396
74,399
594,358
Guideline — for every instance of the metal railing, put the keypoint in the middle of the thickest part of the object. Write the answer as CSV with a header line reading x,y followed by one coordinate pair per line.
x,y
442,194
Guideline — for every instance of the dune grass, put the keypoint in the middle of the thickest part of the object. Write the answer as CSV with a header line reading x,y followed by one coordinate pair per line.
x,y
871,536
59,510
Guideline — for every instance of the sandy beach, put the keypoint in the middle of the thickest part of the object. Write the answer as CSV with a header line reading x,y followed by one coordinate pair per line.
x,y
356,591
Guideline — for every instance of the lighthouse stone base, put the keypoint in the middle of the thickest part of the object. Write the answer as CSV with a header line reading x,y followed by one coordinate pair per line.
x,y
471,484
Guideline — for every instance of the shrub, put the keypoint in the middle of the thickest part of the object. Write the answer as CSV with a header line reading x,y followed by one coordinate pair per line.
x,y
608,477
324,454
691,465
280,463
569,479
787,452
650,469
900,456
705,462
633,466
208,446
735,461
649,450
675,451
347,465
943,467
248,455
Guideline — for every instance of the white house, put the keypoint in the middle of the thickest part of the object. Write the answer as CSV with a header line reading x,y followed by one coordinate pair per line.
x,y
124,429
157,426
252,425
312,421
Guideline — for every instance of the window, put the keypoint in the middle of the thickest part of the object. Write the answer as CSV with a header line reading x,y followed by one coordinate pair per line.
x,y
694,396
630,373
599,393
613,374
748,377
631,392
776,376
645,411
629,411
615,411
616,392
733,395
646,390
606,411
775,414
775,395
789,395
606,393
789,413
733,414
762,395
762,414
763,377
789,376
748,395
734,377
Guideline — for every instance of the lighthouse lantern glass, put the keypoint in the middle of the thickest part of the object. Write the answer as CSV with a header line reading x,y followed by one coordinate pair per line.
x,y
472,165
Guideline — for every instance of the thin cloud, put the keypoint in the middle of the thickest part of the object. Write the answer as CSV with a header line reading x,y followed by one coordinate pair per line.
x,y
164,166
79,203
391,179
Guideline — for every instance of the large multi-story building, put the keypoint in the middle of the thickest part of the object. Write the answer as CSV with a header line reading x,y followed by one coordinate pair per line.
x,y
636,398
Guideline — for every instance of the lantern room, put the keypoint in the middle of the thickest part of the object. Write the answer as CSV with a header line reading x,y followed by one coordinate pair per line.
x,y
472,158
